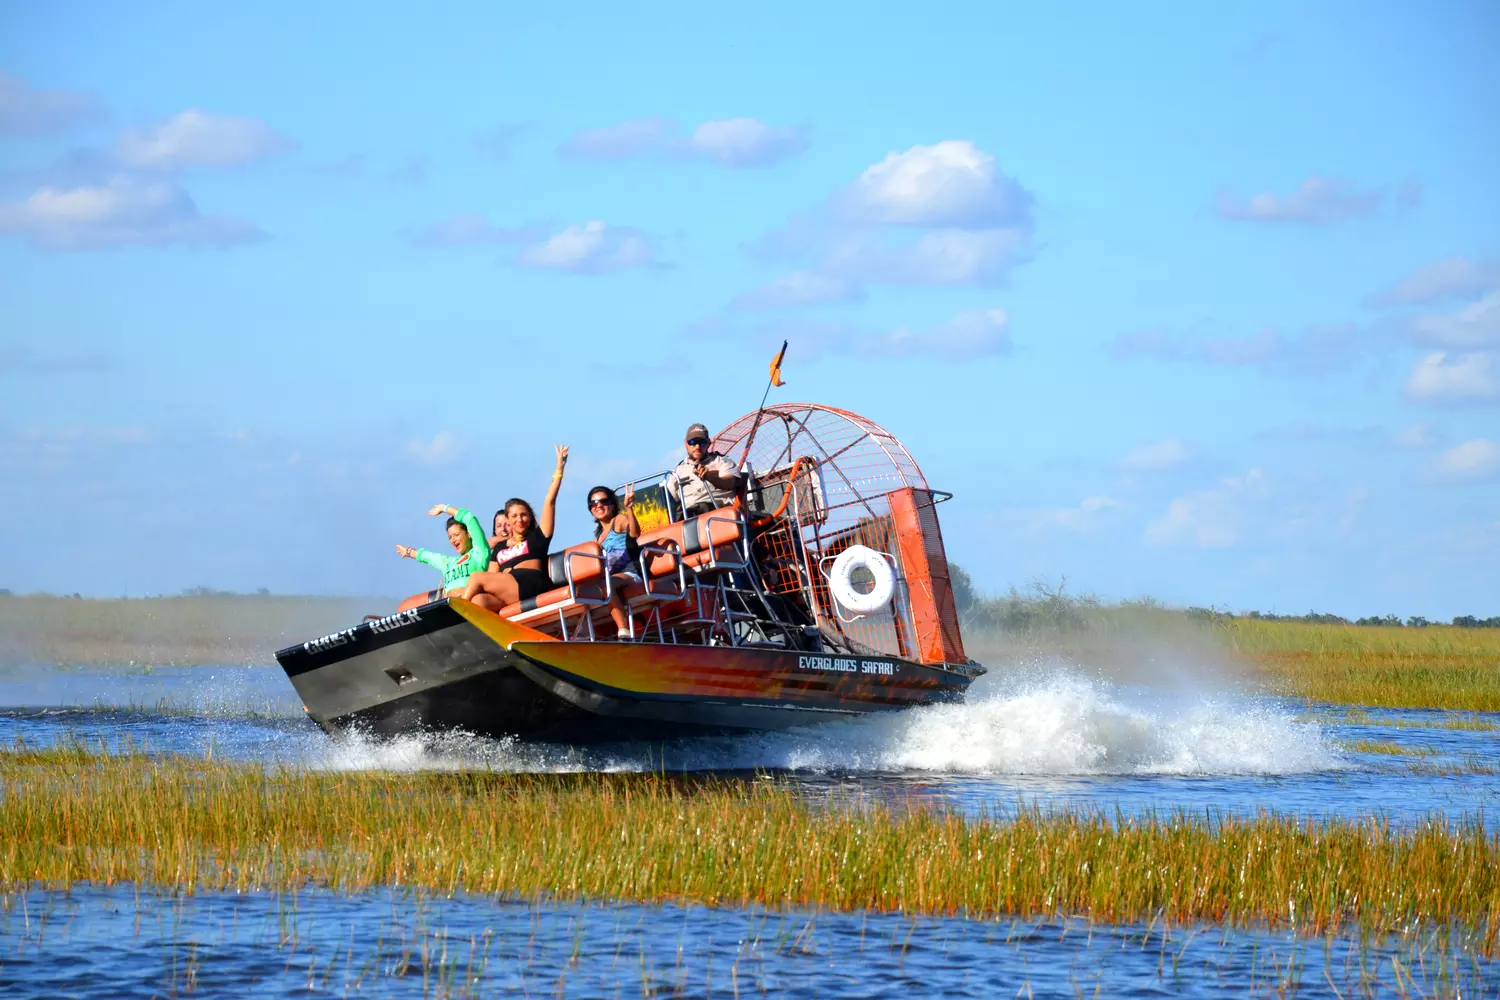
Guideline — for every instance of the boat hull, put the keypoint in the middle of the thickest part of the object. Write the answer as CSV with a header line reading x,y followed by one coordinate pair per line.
x,y
451,665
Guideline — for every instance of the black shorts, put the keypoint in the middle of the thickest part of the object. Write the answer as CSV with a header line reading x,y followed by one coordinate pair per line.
x,y
531,582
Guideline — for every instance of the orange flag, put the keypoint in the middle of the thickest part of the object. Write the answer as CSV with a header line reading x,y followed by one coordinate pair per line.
x,y
776,365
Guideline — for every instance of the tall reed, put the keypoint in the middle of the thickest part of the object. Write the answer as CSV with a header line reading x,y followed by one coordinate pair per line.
x,y
69,814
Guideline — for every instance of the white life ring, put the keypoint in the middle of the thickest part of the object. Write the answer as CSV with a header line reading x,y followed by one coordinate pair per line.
x,y
840,580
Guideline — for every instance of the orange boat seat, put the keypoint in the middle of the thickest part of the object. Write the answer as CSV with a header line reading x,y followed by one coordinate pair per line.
x,y
700,543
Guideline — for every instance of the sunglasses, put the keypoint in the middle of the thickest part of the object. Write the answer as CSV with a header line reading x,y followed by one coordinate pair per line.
x,y
601,502
698,441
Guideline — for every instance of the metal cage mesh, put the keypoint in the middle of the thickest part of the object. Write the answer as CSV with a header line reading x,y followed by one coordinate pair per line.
x,y
851,482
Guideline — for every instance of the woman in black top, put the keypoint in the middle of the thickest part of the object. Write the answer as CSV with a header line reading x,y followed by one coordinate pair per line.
x,y
519,570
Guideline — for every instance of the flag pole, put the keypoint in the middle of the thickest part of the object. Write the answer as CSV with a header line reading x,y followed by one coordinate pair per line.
x,y
774,380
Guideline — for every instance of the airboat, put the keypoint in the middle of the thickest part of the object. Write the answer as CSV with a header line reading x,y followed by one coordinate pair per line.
x,y
822,593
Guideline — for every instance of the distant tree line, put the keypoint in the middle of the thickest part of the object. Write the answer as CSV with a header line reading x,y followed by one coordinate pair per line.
x,y
1386,621
1049,606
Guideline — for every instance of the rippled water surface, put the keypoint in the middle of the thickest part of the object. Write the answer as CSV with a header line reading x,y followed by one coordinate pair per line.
x,y
1051,738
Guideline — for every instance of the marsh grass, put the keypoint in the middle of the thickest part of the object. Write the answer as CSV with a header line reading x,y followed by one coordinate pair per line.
x,y
226,630
1438,666
70,814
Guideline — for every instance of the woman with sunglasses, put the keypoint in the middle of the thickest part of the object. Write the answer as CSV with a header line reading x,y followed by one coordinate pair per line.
x,y
616,532
520,568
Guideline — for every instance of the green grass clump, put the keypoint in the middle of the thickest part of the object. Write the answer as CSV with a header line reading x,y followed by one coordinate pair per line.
x,y
68,815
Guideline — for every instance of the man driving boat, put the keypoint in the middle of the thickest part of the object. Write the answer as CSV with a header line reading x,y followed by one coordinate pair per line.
x,y
705,479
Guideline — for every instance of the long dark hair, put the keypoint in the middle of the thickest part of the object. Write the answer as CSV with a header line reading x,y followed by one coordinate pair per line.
x,y
614,502
518,502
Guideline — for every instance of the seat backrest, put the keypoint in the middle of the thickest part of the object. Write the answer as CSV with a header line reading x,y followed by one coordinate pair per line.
x,y
717,528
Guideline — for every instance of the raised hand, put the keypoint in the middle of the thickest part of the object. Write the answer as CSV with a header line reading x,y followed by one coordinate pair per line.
x,y
562,454
629,496
438,508
404,551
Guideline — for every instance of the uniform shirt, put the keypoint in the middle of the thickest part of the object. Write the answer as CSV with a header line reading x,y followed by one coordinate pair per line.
x,y
692,489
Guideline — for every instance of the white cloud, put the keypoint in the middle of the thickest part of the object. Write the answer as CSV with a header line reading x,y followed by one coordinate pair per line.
x,y
1418,437
799,288
1314,350
1466,378
952,183
976,333
742,142
1318,201
1208,519
1156,457
121,212
939,257
196,138
26,111
1451,276
1082,519
444,447
616,142
592,248
1471,461
1475,325
468,229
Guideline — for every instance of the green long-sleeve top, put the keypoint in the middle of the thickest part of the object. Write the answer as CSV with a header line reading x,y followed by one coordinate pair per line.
x,y
455,568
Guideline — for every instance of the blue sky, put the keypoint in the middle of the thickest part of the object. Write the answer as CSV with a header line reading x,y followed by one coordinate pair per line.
x,y
1195,301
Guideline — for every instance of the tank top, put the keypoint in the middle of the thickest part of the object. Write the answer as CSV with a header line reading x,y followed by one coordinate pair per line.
x,y
619,554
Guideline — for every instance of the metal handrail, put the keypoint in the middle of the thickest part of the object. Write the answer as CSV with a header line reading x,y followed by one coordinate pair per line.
x,y
568,558
646,576
713,550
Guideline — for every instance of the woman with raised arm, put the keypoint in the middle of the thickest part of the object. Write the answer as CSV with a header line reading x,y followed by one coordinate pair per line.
x,y
520,569
466,535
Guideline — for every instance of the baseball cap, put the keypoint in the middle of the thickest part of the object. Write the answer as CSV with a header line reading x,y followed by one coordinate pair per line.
x,y
697,430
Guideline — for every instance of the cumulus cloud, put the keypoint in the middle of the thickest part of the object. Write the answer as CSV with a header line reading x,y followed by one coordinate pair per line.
x,y
730,142
196,138
1318,201
1209,519
121,212
616,142
1082,519
469,229
742,142
27,112
1314,350
1459,378
25,361
1473,461
1157,457
1475,325
942,214
968,336
1418,437
1450,277
496,143
940,257
948,184
975,333
590,248
444,447
799,288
